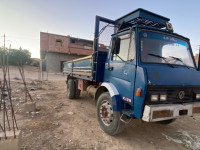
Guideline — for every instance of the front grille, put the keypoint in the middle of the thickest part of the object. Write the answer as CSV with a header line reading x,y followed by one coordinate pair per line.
x,y
172,94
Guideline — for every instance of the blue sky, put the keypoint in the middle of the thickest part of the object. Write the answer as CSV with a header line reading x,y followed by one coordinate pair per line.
x,y
22,20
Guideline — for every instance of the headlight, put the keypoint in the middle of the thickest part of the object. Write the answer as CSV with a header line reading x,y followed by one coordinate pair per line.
x,y
197,96
154,98
163,97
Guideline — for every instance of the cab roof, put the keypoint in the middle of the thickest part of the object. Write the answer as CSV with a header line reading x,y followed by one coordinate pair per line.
x,y
142,17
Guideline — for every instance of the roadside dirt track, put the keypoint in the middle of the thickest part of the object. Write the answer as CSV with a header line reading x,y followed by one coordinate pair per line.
x,y
63,124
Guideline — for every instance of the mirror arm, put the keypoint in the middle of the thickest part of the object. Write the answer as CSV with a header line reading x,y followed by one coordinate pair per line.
x,y
199,63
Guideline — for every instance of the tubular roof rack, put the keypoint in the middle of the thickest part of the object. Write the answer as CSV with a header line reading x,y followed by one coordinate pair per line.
x,y
142,17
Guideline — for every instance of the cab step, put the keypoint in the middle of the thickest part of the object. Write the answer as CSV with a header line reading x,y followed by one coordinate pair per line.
x,y
128,112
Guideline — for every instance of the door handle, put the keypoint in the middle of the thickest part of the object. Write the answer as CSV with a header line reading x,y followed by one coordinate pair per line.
x,y
110,68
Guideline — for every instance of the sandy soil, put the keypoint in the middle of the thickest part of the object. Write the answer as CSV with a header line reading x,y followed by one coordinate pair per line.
x,y
63,124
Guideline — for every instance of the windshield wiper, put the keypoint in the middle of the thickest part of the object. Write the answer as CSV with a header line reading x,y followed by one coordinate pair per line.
x,y
162,58
157,56
176,58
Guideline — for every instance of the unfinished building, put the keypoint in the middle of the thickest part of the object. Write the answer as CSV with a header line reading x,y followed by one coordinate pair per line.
x,y
57,49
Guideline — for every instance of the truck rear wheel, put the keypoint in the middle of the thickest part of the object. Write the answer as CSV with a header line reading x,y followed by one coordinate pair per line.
x,y
108,119
77,94
71,89
77,91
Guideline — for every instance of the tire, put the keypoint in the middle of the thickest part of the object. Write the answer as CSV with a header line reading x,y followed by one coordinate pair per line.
x,y
77,91
71,89
114,125
165,122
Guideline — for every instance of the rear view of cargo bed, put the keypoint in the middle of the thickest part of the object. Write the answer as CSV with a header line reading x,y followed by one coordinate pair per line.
x,y
86,68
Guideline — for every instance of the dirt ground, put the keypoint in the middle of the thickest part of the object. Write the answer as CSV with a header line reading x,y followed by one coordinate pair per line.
x,y
63,124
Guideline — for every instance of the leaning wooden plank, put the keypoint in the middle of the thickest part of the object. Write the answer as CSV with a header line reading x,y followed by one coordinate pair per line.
x,y
83,58
88,74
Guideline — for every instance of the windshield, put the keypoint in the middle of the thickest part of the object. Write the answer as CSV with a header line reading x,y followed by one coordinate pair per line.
x,y
162,48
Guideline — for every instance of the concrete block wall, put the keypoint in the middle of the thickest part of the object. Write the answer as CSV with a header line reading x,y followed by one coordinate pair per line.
x,y
53,60
11,143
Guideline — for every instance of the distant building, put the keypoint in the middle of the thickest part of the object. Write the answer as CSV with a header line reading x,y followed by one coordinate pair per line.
x,y
196,58
56,49
35,62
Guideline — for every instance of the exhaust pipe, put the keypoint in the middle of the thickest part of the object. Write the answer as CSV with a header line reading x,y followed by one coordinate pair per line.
x,y
91,90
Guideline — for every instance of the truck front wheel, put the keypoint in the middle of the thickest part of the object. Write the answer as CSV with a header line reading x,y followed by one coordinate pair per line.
x,y
108,119
71,89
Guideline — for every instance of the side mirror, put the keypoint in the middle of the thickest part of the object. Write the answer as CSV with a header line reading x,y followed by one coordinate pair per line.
x,y
115,45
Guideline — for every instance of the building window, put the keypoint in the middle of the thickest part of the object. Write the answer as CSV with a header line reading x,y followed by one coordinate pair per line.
x,y
58,43
72,41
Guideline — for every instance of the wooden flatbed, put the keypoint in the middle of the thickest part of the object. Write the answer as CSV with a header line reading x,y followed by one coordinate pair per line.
x,y
86,68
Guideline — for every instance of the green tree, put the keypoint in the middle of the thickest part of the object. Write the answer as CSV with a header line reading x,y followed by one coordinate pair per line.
x,y
2,53
17,56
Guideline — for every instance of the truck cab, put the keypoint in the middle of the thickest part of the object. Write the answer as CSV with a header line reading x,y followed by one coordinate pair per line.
x,y
148,73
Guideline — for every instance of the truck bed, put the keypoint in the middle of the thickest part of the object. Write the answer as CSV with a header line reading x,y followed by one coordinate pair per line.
x,y
87,68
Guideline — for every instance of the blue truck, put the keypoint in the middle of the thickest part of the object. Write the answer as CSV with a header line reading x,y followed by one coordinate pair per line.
x,y
140,69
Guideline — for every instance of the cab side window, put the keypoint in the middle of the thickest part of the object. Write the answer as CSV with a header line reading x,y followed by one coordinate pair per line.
x,y
127,48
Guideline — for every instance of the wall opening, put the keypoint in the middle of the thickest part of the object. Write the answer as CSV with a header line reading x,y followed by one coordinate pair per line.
x,y
61,66
58,43
81,42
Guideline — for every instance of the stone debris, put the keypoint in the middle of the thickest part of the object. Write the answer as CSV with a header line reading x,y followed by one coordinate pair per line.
x,y
38,97
19,90
13,98
11,143
33,83
21,101
61,104
57,123
5,93
16,78
183,137
32,89
30,107
33,113
70,113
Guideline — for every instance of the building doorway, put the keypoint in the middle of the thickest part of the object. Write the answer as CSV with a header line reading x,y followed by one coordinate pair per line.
x,y
61,66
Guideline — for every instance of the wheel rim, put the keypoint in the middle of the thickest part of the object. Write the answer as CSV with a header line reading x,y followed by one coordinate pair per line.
x,y
106,112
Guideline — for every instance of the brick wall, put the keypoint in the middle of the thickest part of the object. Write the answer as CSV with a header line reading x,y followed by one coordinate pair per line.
x,y
61,44
56,49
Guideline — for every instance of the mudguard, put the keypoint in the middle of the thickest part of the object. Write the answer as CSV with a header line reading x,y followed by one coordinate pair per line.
x,y
116,100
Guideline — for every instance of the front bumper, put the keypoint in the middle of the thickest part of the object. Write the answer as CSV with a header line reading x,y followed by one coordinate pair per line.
x,y
160,112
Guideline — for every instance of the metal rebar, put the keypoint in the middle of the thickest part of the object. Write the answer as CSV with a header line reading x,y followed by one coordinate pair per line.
x,y
25,86
5,85
12,110
7,120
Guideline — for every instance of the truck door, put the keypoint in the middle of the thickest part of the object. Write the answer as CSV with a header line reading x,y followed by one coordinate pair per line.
x,y
121,67
104,28
122,74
